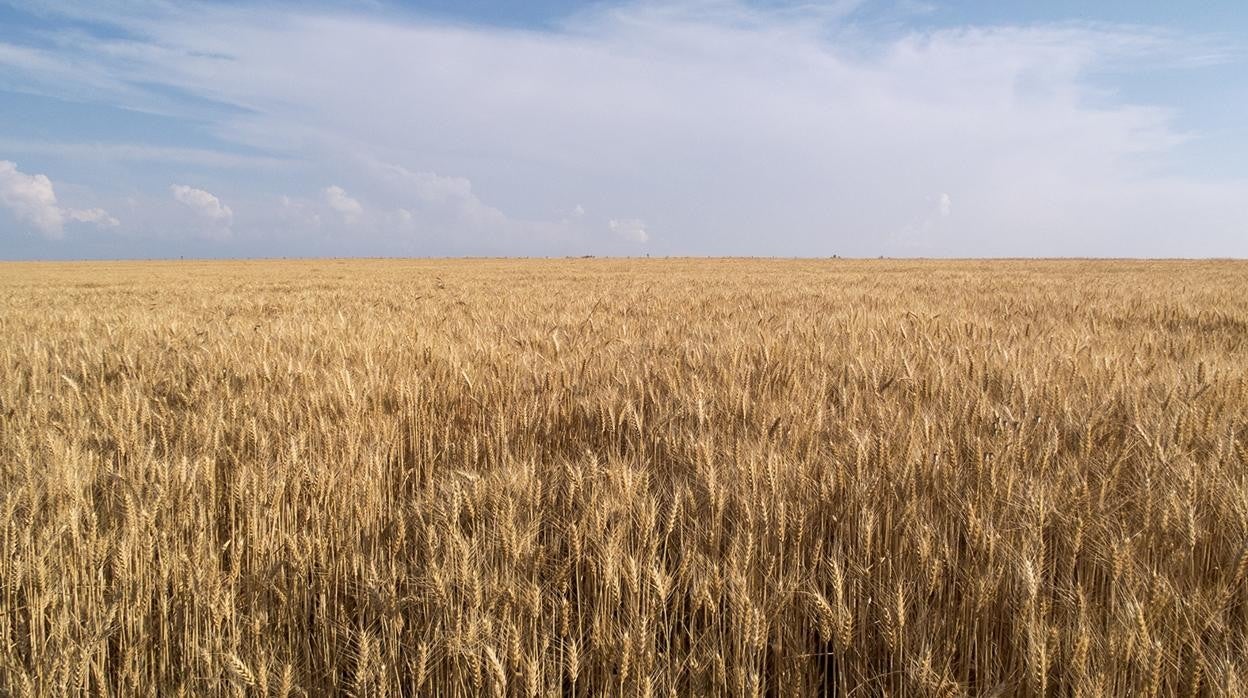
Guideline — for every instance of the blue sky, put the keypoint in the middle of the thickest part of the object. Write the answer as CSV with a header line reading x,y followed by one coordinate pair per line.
x,y
858,128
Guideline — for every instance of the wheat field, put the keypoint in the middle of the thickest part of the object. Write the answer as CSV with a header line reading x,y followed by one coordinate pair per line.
x,y
624,478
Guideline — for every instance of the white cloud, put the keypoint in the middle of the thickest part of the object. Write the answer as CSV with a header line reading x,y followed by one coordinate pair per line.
x,y
716,118
33,200
300,213
630,229
917,235
203,203
434,190
338,200
97,216
445,210
141,153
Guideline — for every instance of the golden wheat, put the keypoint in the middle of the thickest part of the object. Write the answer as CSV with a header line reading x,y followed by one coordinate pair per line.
x,y
624,477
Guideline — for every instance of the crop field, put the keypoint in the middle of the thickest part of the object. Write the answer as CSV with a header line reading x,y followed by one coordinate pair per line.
x,y
601,477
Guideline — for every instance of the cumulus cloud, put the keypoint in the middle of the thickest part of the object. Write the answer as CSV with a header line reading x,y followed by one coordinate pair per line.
x,y
434,191
338,200
33,200
917,235
300,212
204,203
446,210
630,229
97,216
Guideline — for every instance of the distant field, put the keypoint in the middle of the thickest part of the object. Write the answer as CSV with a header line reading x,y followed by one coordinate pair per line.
x,y
624,477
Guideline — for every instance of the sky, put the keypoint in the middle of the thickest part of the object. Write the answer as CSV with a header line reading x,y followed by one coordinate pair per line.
x,y
859,128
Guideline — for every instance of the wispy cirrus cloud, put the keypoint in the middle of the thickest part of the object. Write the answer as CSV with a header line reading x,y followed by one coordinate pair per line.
x,y
143,153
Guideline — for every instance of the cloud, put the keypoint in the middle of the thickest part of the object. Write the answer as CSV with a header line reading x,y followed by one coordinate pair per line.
x,y
719,119
630,229
32,199
445,212
432,191
917,235
142,153
300,212
338,200
203,203
97,216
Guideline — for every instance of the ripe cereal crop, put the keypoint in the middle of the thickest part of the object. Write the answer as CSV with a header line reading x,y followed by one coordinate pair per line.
x,y
624,478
